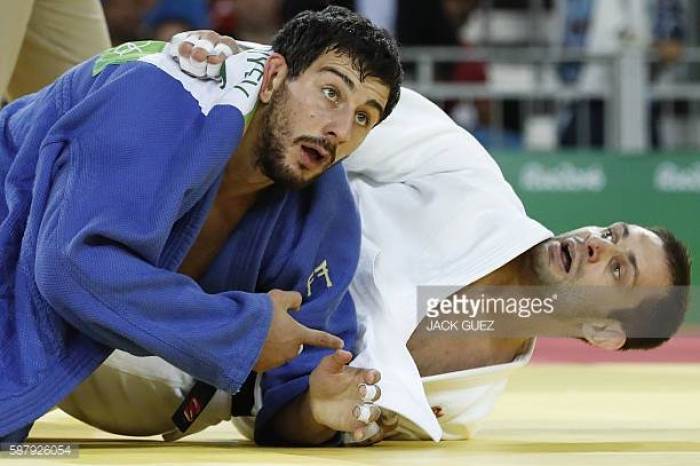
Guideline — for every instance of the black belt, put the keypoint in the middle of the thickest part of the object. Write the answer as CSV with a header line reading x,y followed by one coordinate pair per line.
x,y
201,394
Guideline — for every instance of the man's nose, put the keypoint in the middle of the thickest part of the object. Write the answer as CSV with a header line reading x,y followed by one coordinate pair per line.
x,y
340,127
595,248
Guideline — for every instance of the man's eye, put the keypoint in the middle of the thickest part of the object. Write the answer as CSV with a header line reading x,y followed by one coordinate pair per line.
x,y
362,119
330,93
607,234
617,271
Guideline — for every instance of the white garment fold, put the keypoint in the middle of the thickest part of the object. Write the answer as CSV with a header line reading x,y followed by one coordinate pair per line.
x,y
436,210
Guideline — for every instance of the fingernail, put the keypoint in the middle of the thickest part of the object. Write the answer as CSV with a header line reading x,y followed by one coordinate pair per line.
x,y
363,390
370,393
372,430
357,435
362,413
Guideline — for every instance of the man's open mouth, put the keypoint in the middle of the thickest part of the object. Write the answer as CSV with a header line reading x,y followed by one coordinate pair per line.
x,y
567,256
313,156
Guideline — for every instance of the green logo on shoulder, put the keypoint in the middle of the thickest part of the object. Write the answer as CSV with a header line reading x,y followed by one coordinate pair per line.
x,y
129,51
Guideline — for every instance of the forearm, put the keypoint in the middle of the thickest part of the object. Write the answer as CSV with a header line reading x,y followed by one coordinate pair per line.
x,y
296,424
128,304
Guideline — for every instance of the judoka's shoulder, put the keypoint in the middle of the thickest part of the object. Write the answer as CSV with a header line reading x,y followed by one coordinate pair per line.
x,y
131,88
139,94
136,108
143,82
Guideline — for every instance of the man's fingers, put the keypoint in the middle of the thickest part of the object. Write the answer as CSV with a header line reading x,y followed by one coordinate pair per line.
x,y
372,376
320,338
202,53
366,413
390,420
215,60
175,42
369,393
342,357
290,300
225,49
335,362
184,50
437,411
202,49
194,50
199,54
363,434
191,56
232,44
212,36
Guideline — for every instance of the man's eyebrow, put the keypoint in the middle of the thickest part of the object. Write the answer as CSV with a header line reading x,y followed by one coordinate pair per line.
x,y
348,82
625,230
376,105
633,260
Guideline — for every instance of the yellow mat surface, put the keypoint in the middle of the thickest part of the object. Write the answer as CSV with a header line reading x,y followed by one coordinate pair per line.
x,y
564,415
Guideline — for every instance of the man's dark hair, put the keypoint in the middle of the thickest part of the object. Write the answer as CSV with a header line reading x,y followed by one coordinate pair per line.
x,y
372,50
656,320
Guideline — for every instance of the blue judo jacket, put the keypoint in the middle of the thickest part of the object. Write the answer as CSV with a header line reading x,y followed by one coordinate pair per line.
x,y
107,177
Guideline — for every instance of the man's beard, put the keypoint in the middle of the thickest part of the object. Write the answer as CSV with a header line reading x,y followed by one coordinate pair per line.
x,y
270,151
536,266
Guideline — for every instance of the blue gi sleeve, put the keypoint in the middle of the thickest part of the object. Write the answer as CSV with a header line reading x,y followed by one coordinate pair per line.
x,y
322,256
128,158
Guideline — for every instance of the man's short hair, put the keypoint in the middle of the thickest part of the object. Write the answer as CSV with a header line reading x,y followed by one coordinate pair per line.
x,y
372,50
656,320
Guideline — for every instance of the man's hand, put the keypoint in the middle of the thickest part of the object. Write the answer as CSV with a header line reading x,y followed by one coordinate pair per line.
x,y
339,398
342,398
202,53
386,426
287,337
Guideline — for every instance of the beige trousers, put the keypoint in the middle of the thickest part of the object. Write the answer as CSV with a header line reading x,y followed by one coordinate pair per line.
x,y
40,39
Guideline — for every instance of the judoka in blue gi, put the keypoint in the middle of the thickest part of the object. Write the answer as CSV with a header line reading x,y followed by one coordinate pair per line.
x,y
160,214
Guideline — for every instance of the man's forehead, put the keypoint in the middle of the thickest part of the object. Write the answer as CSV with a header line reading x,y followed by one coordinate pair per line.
x,y
344,63
339,59
645,236
651,257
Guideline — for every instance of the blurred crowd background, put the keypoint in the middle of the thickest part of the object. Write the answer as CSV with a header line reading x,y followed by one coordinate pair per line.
x,y
519,74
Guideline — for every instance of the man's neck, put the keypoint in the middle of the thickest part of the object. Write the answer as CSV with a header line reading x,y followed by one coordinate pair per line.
x,y
437,352
239,189
242,177
517,272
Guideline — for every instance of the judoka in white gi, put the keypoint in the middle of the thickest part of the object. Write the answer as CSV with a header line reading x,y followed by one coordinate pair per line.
x,y
436,210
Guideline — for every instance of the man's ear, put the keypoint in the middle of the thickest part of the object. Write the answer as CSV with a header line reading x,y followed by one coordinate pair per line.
x,y
606,334
274,75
